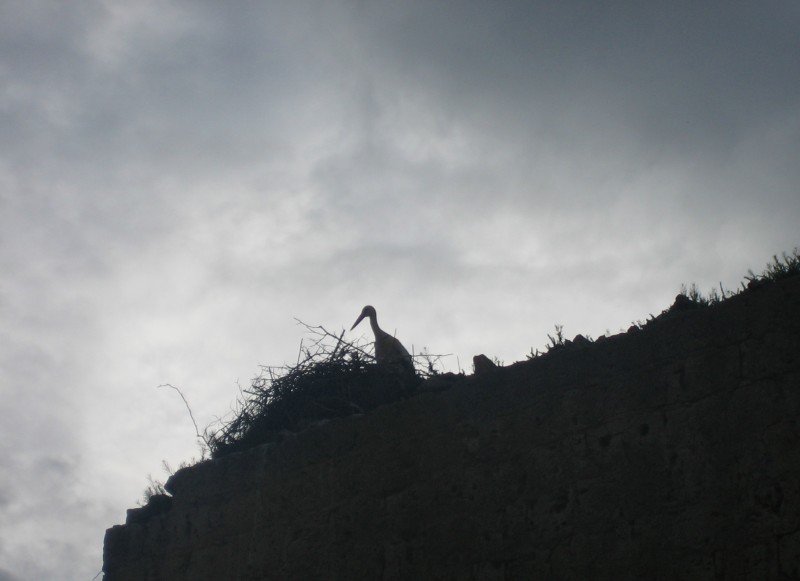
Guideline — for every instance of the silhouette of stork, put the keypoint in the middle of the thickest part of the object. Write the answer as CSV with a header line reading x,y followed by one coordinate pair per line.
x,y
388,350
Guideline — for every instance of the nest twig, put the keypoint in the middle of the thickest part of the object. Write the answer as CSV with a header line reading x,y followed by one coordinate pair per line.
x,y
332,378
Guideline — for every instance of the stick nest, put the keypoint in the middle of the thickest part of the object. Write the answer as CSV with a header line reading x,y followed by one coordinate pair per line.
x,y
331,379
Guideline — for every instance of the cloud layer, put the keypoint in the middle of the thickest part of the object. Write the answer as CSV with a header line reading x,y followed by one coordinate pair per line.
x,y
178,180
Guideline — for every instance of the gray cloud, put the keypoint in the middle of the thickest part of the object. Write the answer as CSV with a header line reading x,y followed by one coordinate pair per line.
x,y
178,181
7,576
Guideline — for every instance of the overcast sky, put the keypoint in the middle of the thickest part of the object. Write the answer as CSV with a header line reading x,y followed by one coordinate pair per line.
x,y
180,180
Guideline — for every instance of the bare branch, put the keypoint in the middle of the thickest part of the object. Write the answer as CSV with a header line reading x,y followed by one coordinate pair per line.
x,y
205,444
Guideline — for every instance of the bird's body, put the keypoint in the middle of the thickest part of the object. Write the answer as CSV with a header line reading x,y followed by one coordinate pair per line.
x,y
388,350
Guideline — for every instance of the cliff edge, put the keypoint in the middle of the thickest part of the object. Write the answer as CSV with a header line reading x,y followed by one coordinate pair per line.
x,y
670,452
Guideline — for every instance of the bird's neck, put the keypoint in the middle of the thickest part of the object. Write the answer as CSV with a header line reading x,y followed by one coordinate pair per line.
x,y
373,322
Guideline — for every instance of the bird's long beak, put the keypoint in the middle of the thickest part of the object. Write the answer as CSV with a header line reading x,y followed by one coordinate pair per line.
x,y
358,320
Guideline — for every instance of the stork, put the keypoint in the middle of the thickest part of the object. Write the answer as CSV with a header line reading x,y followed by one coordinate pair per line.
x,y
388,350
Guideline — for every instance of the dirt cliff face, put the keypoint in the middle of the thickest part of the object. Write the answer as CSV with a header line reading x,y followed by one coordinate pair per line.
x,y
671,452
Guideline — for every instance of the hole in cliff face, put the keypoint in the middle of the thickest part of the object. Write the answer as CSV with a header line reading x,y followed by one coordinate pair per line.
x,y
605,441
644,429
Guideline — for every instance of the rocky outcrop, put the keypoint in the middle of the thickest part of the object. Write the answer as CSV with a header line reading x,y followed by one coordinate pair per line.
x,y
671,452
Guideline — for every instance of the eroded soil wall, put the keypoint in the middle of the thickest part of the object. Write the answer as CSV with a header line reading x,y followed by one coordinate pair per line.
x,y
667,453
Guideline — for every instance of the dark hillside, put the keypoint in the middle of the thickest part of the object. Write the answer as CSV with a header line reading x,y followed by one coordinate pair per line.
x,y
668,452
